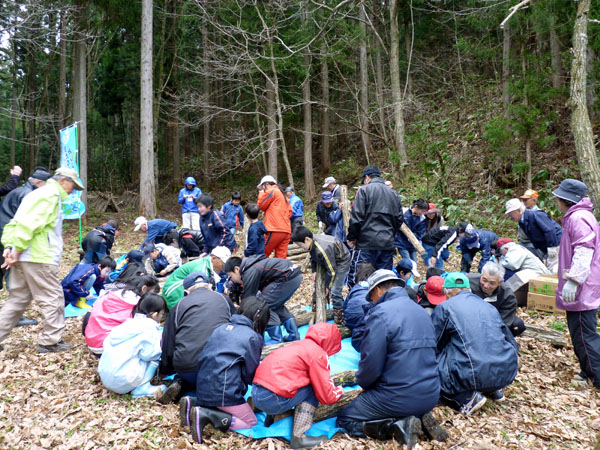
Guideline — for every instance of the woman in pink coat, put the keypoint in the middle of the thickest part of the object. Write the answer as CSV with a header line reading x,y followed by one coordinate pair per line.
x,y
578,291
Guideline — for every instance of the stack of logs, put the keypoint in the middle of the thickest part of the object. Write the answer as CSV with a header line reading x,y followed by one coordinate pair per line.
x,y
299,256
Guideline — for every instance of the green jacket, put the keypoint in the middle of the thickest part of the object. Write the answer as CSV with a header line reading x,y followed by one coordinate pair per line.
x,y
173,289
36,229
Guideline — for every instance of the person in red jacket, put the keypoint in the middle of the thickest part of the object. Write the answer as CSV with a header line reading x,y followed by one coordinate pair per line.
x,y
297,376
277,211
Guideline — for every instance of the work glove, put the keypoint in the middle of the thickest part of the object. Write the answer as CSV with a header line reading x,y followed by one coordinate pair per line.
x,y
552,252
569,290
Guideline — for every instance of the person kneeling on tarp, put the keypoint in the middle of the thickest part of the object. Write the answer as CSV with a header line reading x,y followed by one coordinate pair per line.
x,y
225,369
398,338
297,376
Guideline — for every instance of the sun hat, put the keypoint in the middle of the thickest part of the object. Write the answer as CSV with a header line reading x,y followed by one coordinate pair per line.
x,y
571,190
378,277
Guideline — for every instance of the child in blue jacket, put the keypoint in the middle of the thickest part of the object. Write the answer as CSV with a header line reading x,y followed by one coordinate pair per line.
x,y
255,244
190,217
233,212
78,283
132,350
226,367
213,226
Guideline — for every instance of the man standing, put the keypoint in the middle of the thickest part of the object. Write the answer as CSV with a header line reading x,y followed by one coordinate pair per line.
x,y
331,185
297,208
375,220
33,247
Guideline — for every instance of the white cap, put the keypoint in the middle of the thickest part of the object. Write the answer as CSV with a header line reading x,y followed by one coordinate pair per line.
x,y
267,179
328,181
139,222
514,204
223,253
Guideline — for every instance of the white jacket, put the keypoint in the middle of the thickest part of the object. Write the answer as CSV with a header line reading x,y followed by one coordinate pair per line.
x,y
518,258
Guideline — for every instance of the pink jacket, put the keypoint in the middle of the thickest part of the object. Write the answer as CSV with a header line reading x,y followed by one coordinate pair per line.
x,y
109,311
580,228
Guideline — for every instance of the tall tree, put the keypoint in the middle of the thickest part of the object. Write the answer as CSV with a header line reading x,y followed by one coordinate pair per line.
x,y
364,83
80,100
396,89
147,186
309,180
325,157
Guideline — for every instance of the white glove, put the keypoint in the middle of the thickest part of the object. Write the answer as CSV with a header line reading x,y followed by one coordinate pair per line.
x,y
321,224
552,252
569,290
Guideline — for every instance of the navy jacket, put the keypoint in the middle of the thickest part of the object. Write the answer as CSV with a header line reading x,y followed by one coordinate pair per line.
x,y
376,217
441,238
156,229
476,350
216,232
233,214
323,216
416,224
256,239
258,272
542,231
353,305
485,240
13,183
398,364
227,364
73,283
10,203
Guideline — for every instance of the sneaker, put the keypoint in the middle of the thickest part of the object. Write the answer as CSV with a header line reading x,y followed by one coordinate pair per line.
x,y
338,317
497,396
25,322
473,404
60,346
580,380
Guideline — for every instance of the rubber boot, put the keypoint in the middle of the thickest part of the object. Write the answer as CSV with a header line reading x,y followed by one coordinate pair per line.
x,y
378,429
201,416
433,429
406,431
81,303
185,407
292,328
275,333
303,420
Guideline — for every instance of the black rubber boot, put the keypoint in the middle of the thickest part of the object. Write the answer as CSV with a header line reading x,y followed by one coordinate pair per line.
x,y
406,431
275,333
185,407
200,417
306,441
269,420
378,429
433,429
292,328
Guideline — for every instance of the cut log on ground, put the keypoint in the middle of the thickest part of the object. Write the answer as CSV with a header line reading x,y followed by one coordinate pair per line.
x,y
544,334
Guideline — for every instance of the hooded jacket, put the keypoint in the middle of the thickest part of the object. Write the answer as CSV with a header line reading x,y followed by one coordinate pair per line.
x,y
441,238
188,204
376,217
258,271
301,363
332,254
484,245
277,210
228,362
234,214
416,224
398,365
73,283
189,326
580,229
476,350
216,232
542,231
128,350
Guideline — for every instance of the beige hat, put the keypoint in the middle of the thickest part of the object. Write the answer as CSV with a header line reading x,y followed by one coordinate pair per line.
x,y
514,204
72,174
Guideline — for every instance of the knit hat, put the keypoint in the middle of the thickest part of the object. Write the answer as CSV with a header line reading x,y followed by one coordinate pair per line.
x,y
435,290
571,190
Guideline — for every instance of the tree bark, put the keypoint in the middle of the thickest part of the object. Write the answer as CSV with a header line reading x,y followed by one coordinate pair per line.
x,y
526,104
364,84
506,68
206,123
325,158
581,126
396,89
147,186
80,113
272,128
175,145
14,107
62,72
309,180
321,301
556,57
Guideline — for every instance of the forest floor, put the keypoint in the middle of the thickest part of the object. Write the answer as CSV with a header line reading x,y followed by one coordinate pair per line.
x,y
57,400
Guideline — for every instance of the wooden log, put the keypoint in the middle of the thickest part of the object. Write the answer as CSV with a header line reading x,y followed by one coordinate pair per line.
x,y
347,378
306,264
345,205
297,252
544,334
321,301
412,239
344,331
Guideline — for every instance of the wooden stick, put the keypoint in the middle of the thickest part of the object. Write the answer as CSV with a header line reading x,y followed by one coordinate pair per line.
x,y
412,239
345,206
321,306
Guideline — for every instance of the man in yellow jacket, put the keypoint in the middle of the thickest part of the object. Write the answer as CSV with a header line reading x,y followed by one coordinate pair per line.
x,y
33,247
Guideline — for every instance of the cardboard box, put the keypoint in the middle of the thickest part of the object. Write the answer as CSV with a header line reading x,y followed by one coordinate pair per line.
x,y
544,284
545,303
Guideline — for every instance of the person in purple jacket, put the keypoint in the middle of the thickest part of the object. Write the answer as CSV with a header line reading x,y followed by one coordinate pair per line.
x,y
578,291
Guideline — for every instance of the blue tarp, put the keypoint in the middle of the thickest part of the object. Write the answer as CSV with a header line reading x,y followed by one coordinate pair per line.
x,y
74,311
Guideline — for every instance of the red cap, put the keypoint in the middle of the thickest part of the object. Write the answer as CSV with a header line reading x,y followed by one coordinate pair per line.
x,y
502,241
435,290
432,209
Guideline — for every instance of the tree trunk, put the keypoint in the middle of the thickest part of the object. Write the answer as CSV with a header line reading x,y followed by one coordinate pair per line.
x,y
206,123
176,147
395,78
14,108
555,53
325,158
320,294
81,99
506,68
580,120
147,187
31,94
135,145
62,72
591,96
526,104
272,128
364,84
408,45
309,181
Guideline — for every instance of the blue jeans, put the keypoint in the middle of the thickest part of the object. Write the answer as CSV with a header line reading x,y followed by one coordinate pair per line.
x,y
276,294
271,403
380,259
93,257
430,249
408,254
337,300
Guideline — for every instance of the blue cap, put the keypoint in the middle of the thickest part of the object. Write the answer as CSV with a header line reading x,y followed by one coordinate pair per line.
x,y
135,256
195,278
326,197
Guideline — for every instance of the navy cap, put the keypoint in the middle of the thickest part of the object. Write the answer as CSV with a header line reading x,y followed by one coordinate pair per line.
x,y
326,197
371,170
135,256
289,189
195,278
571,190
148,248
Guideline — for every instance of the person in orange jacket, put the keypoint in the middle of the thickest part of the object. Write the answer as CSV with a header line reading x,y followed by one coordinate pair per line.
x,y
278,211
297,376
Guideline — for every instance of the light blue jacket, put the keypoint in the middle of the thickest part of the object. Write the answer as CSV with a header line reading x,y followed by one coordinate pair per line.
x,y
128,350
